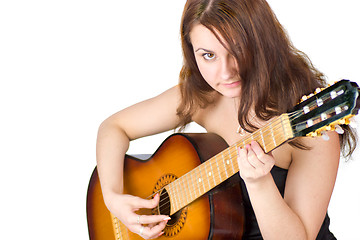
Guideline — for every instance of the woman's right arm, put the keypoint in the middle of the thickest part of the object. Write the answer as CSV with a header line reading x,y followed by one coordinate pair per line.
x,y
146,118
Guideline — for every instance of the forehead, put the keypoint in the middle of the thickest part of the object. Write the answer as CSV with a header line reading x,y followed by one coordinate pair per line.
x,y
201,36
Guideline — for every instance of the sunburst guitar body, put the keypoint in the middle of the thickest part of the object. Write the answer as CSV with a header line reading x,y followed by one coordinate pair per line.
x,y
196,174
218,214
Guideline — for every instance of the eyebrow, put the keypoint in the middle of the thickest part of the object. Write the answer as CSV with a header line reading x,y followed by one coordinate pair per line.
x,y
205,50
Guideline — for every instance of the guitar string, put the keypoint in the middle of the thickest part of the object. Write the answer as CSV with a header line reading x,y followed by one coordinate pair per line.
x,y
231,154
292,116
231,157
217,175
223,170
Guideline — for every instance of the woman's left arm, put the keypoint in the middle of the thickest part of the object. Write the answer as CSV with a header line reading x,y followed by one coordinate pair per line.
x,y
311,179
309,185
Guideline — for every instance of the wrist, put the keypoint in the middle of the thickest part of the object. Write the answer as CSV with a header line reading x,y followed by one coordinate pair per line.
x,y
259,183
109,198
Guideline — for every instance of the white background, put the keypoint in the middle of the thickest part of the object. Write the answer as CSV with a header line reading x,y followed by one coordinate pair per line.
x,y
67,65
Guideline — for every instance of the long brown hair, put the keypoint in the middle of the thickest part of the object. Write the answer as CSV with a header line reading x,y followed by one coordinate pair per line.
x,y
273,72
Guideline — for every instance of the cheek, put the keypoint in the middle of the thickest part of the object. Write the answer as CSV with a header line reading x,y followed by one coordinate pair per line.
x,y
208,73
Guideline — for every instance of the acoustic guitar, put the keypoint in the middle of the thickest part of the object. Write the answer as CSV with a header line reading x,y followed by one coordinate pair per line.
x,y
195,174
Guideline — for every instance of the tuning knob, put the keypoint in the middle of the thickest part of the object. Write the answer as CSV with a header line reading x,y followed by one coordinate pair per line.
x,y
325,136
304,98
318,90
339,129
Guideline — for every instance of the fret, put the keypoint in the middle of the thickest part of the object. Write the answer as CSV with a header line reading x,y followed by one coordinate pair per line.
x,y
282,125
285,123
176,200
217,164
235,164
229,152
186,190
273,136
201,181
179,193
182,191
170,191
213,173
204,177
193,181
208,175
188,186
225,167
230,160
196,181
263,141
244,143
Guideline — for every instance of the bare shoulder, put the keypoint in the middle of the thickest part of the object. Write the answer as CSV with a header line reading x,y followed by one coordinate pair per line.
x,y
319,149
321,160
205,116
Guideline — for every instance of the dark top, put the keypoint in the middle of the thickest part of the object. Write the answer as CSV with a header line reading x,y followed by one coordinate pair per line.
x,y
252,231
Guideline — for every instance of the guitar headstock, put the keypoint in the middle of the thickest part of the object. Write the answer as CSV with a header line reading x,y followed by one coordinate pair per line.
x,y
326,109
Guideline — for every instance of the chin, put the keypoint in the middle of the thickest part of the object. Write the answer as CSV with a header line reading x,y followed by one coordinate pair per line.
x,y
231,94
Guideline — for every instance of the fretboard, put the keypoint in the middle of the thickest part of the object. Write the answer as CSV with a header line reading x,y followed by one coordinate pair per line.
x,y
222,166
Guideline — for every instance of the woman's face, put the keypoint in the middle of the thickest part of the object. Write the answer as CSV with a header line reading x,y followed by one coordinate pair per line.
x,y
217,66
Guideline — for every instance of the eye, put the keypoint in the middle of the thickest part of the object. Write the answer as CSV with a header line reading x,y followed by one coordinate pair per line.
x,y
209,56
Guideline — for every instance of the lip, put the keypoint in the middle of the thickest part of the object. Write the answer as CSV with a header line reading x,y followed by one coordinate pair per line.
x,y
232,84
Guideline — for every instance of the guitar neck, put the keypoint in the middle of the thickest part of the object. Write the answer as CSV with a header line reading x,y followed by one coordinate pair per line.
x,y
222,166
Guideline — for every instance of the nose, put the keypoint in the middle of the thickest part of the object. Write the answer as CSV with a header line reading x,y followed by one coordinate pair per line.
x,y
228,67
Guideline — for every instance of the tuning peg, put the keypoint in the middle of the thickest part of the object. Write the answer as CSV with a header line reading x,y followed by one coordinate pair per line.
x,y
325,136
304,98
339,129
313,134
332,82
329,128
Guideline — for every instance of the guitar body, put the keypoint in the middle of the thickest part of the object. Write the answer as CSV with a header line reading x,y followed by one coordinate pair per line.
x,y
218,214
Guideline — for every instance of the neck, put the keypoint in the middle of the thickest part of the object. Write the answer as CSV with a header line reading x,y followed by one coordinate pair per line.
x,y
222,166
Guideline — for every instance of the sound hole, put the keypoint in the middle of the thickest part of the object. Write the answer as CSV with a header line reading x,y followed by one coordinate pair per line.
x,y
165,207
164,203
177,221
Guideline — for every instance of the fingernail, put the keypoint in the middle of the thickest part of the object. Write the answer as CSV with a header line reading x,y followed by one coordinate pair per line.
x,y
160,234
167,218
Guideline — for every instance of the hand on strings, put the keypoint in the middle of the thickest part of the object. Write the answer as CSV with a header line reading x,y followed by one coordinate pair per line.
x,y
254,163
124,207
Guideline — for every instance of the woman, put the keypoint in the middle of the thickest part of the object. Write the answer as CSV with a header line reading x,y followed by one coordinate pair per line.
x,y
240,71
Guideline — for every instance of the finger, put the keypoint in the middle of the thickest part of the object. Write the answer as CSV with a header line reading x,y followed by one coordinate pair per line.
x,y
244,165
261,155
152,219
253,159
242,158
256,148
155,231
145,203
